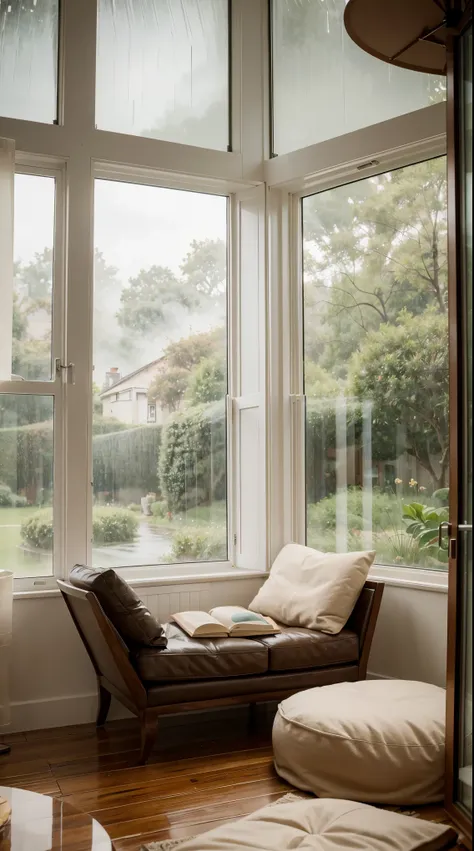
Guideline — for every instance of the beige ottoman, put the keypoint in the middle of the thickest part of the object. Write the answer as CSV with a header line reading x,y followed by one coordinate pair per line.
x,y
325,826
379,741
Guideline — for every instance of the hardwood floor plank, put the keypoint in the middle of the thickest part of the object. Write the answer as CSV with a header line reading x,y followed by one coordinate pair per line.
x,y
156,807
195,815
128,777
96,800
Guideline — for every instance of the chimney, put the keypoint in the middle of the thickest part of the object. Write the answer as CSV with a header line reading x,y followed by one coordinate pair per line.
x,y
112,376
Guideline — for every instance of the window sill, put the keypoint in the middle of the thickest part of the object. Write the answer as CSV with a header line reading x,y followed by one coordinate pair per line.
x,y
415,578
184,575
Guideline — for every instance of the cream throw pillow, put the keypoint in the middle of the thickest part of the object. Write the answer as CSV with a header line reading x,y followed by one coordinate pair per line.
x,y
313,589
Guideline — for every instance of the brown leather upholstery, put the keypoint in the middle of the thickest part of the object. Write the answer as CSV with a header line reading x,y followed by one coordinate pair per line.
x,y
129,615
295,648
186,658
167,694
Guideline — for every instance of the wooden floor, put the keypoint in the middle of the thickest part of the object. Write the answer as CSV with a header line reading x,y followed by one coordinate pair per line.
x,y
204,770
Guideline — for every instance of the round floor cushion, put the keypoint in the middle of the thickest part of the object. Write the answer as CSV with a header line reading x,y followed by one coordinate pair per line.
x,y
376,741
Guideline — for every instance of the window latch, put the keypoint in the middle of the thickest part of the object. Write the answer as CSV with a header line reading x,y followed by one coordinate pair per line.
x,y
65,371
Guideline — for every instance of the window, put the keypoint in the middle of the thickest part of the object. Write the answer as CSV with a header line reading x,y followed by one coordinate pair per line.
x,y
376,365
325,86
162,70
33,277
147,297
28,59
160,308
29,393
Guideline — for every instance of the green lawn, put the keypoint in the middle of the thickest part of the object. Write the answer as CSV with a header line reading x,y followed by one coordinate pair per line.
x,y
12,557
214,515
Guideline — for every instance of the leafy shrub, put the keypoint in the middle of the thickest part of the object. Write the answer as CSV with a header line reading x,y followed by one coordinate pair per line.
x,y
386,511
126,459
109,525
159,508
113,525
199,544
6,496
208,381
192,463
134,506
423,524
441,496
8,499
37,531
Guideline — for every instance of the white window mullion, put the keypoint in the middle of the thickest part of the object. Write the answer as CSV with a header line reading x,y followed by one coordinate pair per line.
x,y
7,175
78,111
249,380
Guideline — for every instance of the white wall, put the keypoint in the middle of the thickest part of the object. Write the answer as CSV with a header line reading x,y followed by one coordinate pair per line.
x,y
53,683
410,639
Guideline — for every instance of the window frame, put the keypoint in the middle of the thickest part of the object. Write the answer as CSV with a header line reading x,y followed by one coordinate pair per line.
x,y
393,144
82,152
56,386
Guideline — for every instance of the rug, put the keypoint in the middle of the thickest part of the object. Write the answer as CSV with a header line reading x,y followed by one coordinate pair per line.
x,y
291,797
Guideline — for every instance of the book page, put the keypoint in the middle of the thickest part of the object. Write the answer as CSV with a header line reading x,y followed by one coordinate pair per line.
x,y
261,625
199,623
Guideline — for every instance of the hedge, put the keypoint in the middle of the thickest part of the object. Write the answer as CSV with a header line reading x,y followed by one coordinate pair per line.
x,y
120,458
192,462
26,459
126,459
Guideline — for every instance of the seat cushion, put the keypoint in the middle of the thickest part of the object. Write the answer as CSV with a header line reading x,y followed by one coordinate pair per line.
x,y
186,658
295,648
129,615
378,741
270,686
313,589
327,825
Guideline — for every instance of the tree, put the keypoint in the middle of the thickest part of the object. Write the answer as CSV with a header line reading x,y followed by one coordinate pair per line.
x,y
179,360
169,387
373,249
403,371
205,268
150,300
208,382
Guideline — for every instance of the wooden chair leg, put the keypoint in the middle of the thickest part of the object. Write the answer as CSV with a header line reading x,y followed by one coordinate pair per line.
x,y
104,706
148,721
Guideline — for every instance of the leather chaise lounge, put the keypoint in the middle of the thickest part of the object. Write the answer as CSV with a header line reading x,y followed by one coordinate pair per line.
x,y
192,674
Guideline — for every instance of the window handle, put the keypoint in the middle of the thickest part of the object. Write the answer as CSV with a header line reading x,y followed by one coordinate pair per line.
x,y
465,527
442,526
65,370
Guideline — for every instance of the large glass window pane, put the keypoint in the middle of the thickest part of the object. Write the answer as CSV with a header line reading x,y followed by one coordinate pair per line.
x,y
33,277
29,59
376,365
26,484
160,376
325,86
162,70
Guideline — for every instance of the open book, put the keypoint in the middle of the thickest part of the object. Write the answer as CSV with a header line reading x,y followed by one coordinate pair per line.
x,y
225,620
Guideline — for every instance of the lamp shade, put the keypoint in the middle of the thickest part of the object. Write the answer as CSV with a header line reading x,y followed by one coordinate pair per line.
x,y
407,33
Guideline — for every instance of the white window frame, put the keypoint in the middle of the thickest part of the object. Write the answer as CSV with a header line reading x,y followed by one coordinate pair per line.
x,y
82,152
392,144
57,386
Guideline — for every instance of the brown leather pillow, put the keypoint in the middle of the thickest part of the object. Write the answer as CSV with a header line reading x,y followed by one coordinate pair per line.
x,y
130,617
